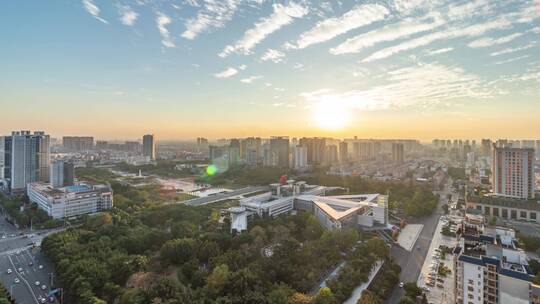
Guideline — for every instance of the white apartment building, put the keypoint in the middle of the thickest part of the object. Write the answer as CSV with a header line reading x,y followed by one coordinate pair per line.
x,y
490,268
71,201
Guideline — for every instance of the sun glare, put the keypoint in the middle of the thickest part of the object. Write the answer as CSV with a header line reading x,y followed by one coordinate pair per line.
x,y
330,116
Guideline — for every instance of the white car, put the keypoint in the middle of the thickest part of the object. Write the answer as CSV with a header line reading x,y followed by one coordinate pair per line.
x,y
20,270
16,280
43,287
401,284
37,283
9,271
40,266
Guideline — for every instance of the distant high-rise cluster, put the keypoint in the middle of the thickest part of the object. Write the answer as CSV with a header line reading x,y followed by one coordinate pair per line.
x,y
78,143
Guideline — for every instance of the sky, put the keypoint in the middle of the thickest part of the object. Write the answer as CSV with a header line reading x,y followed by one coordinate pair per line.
x,y
117,69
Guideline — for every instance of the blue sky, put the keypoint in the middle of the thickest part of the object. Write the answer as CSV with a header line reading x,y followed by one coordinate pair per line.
x,y
187,68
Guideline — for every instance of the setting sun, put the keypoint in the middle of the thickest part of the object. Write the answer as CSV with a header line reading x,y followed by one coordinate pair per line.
x,y
330,115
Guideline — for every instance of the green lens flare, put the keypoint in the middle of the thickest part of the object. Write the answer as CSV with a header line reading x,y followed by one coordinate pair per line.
x,y
211,170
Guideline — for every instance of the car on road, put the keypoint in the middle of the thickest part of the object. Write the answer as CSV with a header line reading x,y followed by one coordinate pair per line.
x,y
9,271
16,280
43,300
3,236
20,269
30,264
43,287
40,266
37,283
401,284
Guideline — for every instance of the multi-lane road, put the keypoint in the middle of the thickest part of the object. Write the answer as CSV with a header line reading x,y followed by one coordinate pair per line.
x,y
411,262
24,271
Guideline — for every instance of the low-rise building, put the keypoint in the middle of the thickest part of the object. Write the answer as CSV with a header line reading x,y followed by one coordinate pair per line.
x,y
71,201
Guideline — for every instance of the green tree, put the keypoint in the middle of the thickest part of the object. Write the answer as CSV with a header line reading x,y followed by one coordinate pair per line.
x,y
325,296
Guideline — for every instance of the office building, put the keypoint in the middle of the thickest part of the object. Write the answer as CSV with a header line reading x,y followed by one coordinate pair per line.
x,y
489,266
62,174
279,150
343,151
300,157
30,158
71,201
149,147
398,153
513,172
78,143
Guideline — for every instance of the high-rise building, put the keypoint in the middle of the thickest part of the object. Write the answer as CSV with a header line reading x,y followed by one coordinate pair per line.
x,y
343,151
30,159
279,150
513,172
251,150
133,146
102,145
234,152
78,143
149,146
62,174
316,148
486,147
398,153
215,152
331,154
300,157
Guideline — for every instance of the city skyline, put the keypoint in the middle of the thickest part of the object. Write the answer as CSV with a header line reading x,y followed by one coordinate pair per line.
x,y
419,69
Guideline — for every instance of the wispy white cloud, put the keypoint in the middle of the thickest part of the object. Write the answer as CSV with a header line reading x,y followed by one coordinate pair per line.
x,y
162,21
93,10
419,85
451,33
513,50
214,14
250,79
439,51
281,16
325,30
273,55
242,67
488,41
391,32
127,15
511,59
229,72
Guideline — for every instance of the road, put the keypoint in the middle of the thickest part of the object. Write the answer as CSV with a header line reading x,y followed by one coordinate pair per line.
x,y
224,196
411,262
25,263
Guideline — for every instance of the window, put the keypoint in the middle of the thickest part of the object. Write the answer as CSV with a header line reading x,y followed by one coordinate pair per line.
x,y
505,213
496,211
523,214
513,214
486,210
532,215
